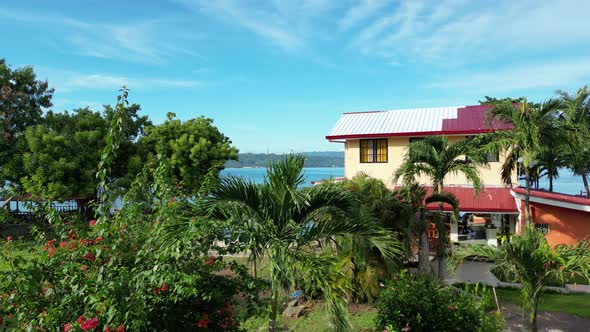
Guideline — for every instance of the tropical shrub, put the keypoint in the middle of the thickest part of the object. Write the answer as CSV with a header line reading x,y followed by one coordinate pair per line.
x,y
411,303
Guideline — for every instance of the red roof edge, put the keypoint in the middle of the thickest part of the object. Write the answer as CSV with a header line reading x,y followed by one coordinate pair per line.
x,y
418,133
554,196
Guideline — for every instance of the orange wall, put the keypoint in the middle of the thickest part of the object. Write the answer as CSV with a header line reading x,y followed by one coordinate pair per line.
x,y
566,226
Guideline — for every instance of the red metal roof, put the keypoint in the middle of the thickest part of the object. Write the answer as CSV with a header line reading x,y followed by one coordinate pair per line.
x,y
490,199
554,196
461,120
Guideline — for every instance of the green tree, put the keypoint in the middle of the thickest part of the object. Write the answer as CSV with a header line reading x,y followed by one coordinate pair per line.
x,y
419,217
436,158
534,263
363,263
576,125
524,142
61,154
23,98
291,222
193,147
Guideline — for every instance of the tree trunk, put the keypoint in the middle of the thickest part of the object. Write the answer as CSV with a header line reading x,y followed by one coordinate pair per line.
x,y
527,196
551,183
533,315
254,268
585,180
441,250
423,254
274,301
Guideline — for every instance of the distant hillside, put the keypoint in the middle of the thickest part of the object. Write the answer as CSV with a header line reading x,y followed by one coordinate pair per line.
x,y
314,159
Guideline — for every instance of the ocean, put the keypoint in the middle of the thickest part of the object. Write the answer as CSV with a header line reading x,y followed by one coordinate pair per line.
x,y
567,183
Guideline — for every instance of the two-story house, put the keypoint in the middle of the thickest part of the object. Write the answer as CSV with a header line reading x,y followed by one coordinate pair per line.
x,y
375,143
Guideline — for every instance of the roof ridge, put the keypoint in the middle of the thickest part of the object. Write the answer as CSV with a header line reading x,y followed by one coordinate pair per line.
x,y
411,109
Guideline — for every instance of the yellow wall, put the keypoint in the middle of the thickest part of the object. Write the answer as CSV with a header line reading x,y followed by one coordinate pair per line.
x,y
397,146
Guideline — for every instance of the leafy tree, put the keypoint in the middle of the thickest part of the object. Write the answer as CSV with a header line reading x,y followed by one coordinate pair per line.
x,y
435,158
290,223
534,263
61,154
193,147
494,101
524,142
576,124
22,100
419,217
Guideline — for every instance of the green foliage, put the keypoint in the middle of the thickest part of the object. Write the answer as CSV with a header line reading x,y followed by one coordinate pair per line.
x,y
410,303
192,147
124,271
534,264
294,228
22,100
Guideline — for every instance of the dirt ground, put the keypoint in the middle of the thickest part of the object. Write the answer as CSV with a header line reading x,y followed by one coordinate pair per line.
x,y
548,321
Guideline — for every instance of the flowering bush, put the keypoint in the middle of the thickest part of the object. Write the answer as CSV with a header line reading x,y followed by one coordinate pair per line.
x,y
145,267
410,303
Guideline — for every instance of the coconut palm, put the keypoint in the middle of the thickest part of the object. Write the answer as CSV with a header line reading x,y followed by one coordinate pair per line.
x,y
436,158
419,217
295,227
529,122
576,115
534,263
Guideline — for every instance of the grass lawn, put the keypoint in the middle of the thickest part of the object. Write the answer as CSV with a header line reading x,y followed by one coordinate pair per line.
x,y
23,249
315,320
575,304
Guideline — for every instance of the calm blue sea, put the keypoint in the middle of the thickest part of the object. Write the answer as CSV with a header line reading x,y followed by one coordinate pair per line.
x,y
311,173
566,183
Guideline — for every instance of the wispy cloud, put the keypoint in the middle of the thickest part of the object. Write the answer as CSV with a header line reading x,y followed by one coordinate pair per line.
x,y
550,74
272,22
359,12
67,81
461,31
140,41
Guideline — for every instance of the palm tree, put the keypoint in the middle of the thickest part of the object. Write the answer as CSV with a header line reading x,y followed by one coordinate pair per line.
x,y
534,263
364,265
435,158
523,142
295,227
576,113
419,217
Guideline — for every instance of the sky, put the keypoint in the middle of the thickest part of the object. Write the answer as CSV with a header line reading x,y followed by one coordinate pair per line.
x,y
275,75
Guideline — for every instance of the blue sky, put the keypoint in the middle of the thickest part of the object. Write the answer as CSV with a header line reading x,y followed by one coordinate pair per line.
x,y
276,75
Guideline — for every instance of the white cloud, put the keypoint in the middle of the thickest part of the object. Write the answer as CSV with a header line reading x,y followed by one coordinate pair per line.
x,y
141,41
66,81
463,31
551,74
363,10
269,24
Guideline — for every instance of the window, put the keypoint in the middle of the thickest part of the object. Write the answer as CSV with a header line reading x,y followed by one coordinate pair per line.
x,y
493,157
374,150
416,139
544,228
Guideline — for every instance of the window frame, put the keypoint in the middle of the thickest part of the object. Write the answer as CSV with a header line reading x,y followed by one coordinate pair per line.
x,y
543,228
495,159
374,155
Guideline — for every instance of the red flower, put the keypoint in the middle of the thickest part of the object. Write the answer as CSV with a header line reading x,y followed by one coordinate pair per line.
x,y
107,329
89,324
66,327
120,328
97,240
86,241
156,291
164,288
72,234
210,261
90,256
81,319
9,238
51,251
203,323
406,328
92,223
84,267
62,244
